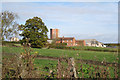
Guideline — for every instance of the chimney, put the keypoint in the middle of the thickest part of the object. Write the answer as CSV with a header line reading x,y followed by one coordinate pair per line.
x,y
54,33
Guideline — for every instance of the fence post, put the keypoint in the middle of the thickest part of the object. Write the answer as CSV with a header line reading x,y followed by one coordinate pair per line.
x,y
73,67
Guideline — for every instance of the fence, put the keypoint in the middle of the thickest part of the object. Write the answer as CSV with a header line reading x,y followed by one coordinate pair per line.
x,y
68,69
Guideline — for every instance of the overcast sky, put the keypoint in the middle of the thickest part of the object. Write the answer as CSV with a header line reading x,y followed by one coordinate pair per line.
x,y
82,20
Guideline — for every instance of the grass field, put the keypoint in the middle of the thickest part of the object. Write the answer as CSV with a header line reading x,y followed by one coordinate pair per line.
x,y
95,48
45,66
79,54
42,64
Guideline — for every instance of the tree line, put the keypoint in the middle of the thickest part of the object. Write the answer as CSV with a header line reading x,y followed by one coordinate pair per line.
x,y
34,30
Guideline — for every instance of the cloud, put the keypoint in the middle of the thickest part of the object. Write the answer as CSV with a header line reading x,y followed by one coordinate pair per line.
x,y
50,12
105,38
72,18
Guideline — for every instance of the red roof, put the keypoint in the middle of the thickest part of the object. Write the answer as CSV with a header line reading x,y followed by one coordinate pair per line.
x,y
66,38
79,40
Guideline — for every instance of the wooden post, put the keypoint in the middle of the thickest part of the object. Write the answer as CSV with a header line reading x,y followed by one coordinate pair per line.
x,y
73,67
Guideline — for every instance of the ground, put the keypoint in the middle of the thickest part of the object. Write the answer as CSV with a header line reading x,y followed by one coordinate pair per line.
x,y
46,65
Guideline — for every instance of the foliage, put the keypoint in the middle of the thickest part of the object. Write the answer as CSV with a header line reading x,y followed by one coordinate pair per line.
x,y
48,67
85,70
9,26
36,31
28,62
9,67
11,44
86,48
19,65
90,48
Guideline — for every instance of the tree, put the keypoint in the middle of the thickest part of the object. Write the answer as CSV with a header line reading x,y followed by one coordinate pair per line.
x,y
9,26
34,30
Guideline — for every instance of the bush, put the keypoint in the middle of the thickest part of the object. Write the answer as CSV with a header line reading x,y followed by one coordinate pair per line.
x,y
9,43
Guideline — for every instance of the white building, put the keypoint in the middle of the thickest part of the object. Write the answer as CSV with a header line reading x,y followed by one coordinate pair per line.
x,y
94,42
49,41
14,39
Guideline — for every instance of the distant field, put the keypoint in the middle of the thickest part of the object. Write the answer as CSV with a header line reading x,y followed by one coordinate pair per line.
x,y
79,54
95,48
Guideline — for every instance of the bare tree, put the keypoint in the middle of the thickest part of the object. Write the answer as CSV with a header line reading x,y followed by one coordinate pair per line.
x,y
9,26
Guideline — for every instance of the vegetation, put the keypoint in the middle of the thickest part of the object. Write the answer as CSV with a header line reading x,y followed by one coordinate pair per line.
x,y
86,48
88,55
46,68
83,70
11,44
9,26
95,48
28,60
36,31
19,65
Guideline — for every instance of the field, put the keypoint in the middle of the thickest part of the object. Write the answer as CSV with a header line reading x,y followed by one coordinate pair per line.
x,y
96,48
47,65
93,55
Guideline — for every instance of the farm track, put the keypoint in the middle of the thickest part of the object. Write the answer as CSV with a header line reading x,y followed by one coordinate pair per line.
x,y
82,61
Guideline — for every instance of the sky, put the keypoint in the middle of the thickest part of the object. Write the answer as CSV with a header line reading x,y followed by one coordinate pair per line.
x,y
59,0
82,20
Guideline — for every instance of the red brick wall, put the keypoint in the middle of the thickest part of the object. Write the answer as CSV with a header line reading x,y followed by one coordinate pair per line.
x,y
70,42
54,33
80,43
57,33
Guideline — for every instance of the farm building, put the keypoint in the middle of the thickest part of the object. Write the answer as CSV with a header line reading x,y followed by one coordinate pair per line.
x,y
54,35
69,40
14,39
80,43
93,42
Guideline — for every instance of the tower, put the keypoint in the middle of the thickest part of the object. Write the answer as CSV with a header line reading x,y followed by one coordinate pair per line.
x,y
54,33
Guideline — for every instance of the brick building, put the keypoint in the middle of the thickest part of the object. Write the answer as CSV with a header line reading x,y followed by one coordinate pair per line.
x,y
69,40
80,43
54,34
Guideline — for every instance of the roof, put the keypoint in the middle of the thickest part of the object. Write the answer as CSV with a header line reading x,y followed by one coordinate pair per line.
x,y
49,39
90,40
66,38
79,40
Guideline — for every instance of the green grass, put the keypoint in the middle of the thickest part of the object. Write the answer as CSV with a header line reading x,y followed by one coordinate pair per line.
x,y
12,49
86,69
45,66
95,48
52,64
19,45
88,55
42,63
